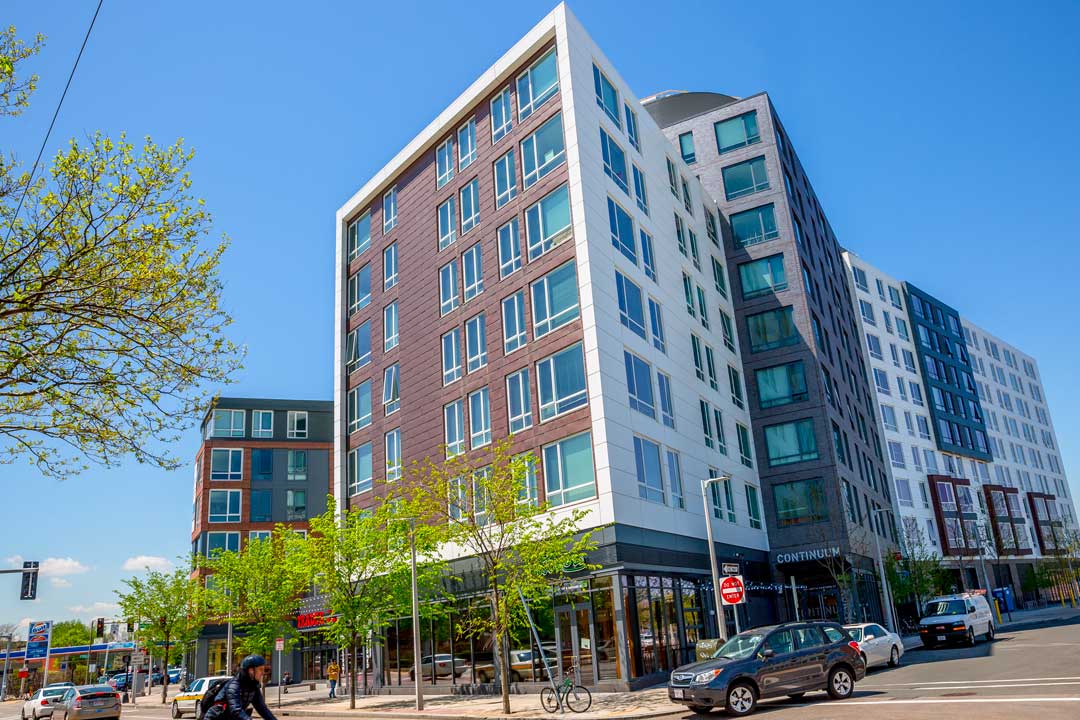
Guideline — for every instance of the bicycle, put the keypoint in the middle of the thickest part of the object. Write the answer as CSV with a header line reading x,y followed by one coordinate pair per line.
x,y
566,694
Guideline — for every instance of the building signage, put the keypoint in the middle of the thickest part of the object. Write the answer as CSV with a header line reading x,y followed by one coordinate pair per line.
x,y
319,618
37,640
819,553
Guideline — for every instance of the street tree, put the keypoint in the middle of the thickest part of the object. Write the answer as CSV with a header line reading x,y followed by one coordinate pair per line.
x,y
487,502
169,607
919,573
109,298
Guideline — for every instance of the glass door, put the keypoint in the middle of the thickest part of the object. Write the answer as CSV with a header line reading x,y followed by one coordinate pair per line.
x,y
573,630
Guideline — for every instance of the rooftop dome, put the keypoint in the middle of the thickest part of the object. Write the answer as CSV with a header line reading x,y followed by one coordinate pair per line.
x,y
673,106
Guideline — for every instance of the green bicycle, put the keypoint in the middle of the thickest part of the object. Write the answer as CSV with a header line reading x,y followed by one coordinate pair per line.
x,y
575,697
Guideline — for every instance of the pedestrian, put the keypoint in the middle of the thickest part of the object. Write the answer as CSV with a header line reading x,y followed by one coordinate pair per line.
x,y
332,673
241,693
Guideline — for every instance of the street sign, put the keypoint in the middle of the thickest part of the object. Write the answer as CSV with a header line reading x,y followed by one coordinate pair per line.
x,y
138,658
93,668
37,645
24,673
732,590
279,644
731,568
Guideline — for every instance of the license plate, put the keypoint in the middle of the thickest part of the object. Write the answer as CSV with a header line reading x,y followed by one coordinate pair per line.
x,y
679,693
941,638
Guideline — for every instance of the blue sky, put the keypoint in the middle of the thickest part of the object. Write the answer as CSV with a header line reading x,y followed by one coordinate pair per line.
x,y
940,138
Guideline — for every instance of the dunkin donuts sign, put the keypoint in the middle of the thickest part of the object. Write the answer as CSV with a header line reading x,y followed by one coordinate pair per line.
x,y
306,621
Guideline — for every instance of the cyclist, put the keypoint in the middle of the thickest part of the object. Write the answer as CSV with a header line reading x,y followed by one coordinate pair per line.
x,y
236,698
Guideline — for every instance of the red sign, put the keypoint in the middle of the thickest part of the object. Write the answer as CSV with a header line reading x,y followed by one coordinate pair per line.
x,y
306,621
732,590
24,673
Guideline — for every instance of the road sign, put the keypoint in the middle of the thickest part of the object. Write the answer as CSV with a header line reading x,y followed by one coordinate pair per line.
x,y
138,658
37,646
279,644
24,673
732,590
731,568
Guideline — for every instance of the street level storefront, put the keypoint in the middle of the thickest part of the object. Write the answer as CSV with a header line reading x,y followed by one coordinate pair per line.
x,y
817,593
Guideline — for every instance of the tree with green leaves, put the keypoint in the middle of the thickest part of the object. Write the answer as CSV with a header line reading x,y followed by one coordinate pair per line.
x,y
109,298
487,503
919,573
169,607
360,560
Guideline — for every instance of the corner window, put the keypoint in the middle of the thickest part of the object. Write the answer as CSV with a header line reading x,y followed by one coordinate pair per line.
x,y
224,506
444,163
555,299
358,406
791,442
771,329
614,161
745,178
298,422
607,97
686,148
548,222
561,380
358,469
737,132
227,423
568,470
763,277
226,464
359,235
754,226
543,151
389,208
536,85
622,231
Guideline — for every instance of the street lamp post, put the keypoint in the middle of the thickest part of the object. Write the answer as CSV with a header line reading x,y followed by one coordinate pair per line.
x,y
7,658
720,621
887,597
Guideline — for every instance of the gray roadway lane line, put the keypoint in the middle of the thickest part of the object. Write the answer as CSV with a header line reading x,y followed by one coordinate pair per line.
x,y
940,701
992,687
970,682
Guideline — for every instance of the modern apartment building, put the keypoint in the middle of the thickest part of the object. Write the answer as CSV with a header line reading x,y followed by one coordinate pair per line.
x,y
819,451
971,445
540,262
261,462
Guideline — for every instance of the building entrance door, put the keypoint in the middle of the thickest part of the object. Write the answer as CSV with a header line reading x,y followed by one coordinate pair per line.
x,y
574,637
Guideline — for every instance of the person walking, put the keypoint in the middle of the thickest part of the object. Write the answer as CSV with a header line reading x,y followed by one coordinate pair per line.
x,y
237,697
332,673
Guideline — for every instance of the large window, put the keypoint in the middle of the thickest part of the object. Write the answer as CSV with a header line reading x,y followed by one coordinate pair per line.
x,y
470,205
800,502
568,470
358,347
390,276
262,465
536,85
745,178
753,507
454,428
781,384
227,423
641,191
631,307
648,255
607,97
639,385
555,299
360,289
509,248
754,226
261,506
447,223
771,329
390,326
622,230
513,314
667,406
218,542
472,267
656,324
296,505
631,125
543,151
444,163
448,287
392,441
475,343
686,148
479,418
547,222
763,276
226,464
296,468
737,132
451,356
561,382
358,404
505,179
614,161
391,398
466,135
358,469
791,442
359,234
389,210
518,401
224,506
501,116
262,423
650,477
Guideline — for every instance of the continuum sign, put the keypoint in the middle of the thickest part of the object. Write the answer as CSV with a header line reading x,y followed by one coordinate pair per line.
x,y
821,553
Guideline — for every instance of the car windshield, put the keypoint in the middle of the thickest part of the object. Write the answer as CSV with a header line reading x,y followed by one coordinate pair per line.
x,y
741,646
854,632
945,607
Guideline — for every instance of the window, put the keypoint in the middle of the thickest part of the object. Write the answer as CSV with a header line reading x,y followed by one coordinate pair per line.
x,y
389,257
561,381
800,502
226,464
781,385
543,151
896,455
719,279
667,407
694,253
505,180
501,116
219,542
262,423
686,148
473,269
607,97
444,163
649,475
867,311
641,194
631,307
791,442
888,417
261,506
392,443
673,178
703,307
656,324
358,469
466,138
688,293
470,205
745,178
227,423
614,162
728,329
391,394
639,385
631,126
454,428
513,312
568,470
762,277
519,404
547,222
699,362
737,132
509,248
475,343
297,420
754,226
710,364
710,227
648,255
873,345
389,210
771,329
479,419
360,289
224,506
622,230
390,326
903,493
881,381
735,383
448,287
555,299
359,234
687,202
358,406
451,356
262,465
297,468
680,234
753,506
447,223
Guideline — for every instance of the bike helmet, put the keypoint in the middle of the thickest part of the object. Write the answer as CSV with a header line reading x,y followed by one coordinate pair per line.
x,y
252,661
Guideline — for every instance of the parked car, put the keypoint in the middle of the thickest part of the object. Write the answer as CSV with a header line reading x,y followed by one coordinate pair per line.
x,y
177,675
877,645
41,703
120,681
952,618
60,685
442,666
89,701
789,659
187,702
521,666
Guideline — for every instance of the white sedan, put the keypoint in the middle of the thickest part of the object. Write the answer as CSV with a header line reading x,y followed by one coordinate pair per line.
x,y
41,703
877,645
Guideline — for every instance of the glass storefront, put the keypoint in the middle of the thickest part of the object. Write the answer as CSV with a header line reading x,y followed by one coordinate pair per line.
x,y
217,656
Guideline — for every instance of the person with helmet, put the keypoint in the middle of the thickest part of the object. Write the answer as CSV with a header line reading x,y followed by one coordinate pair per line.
x,y
237,697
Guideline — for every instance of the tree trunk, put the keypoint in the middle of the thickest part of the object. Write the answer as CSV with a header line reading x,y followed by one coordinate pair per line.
x,y
352,672
164,672
499,638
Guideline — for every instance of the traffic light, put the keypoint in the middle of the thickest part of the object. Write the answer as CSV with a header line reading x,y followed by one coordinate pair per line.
x,y
131,626
29,580
100,628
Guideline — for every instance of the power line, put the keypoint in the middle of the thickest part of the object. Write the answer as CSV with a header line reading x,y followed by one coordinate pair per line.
x,y
41,150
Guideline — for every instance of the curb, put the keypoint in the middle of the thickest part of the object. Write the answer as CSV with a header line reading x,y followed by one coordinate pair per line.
x,y
388,714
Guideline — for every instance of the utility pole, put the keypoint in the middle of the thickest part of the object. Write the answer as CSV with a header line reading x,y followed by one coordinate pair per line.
x,y
7,659
721,622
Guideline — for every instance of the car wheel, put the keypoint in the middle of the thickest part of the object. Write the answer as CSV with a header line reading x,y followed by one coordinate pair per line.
x,y
515,676
990,633
700,709
741,699
971,637
796,696
841,683
175,710
865,661
894,657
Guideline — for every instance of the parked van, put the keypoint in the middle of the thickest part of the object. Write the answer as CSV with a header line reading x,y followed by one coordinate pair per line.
x,y
956,618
